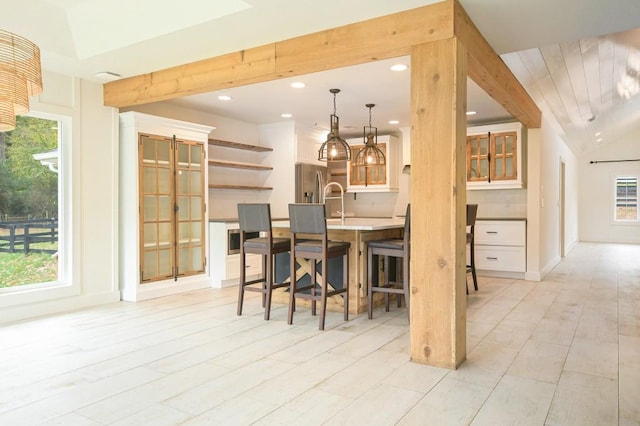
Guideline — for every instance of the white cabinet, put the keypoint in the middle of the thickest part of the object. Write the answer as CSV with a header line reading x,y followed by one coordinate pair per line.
x,y
162,197
376,178
501,245
225,264
495,156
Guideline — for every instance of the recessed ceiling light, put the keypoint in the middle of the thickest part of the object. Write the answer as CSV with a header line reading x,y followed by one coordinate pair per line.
x,y
224,97
399,67
107,75
599,140
471,113
393,122
286,115
298,85
597,134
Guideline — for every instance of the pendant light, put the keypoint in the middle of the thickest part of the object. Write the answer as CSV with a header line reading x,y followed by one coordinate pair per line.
x,y
370,154
334,148
20,77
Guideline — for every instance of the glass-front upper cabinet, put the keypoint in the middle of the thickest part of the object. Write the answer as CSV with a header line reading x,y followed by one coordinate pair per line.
x,y
375,178
367,175
494,156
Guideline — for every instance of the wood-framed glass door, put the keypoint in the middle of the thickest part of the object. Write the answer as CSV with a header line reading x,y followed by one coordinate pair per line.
x,y
172,208
478,150
156,208
504,156
190,214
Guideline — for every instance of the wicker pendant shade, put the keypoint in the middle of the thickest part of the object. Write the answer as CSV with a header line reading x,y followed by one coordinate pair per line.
x,y
20,77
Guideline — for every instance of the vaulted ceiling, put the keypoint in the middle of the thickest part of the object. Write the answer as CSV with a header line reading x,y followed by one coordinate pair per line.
x,y
578,59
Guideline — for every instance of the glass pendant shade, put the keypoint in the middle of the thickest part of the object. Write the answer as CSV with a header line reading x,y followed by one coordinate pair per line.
x,y
334,148
370,154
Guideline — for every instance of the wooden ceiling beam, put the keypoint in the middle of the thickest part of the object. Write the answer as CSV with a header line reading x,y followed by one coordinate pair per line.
x,y
489,72
379,38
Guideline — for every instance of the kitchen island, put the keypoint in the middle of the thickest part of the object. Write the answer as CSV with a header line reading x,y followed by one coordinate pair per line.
x,y
356,231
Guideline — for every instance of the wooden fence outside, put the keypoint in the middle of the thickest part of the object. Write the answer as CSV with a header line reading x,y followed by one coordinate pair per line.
x,y
19,236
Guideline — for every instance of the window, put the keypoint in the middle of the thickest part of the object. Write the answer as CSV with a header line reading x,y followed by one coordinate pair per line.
x,y
626,199
32,213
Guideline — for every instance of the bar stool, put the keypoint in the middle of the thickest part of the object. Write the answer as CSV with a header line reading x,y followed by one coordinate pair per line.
x,y
472,211
398,248
256,218
310,220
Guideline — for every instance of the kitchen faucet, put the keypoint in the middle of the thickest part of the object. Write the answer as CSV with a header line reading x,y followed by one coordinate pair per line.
x,y
325,198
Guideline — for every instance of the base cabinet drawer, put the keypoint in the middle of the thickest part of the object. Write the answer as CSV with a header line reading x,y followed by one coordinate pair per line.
x,y
501,233
501,258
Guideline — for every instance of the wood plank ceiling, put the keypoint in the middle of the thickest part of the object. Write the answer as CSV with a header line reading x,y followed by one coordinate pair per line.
x,y
589,85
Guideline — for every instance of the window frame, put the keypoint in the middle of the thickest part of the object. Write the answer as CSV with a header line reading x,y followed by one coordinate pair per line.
x,y
42,291
614,199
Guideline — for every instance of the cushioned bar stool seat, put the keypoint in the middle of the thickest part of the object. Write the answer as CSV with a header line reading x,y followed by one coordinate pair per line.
x,y
396,248
310,220
257,218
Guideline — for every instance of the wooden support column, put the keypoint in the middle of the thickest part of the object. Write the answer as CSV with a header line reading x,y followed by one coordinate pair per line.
x,y
438,203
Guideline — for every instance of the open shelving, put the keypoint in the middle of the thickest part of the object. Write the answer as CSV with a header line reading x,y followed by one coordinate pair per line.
x,y
239,165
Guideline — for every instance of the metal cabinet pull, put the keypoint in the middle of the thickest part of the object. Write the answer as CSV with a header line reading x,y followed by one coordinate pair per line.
x,y
491,232
492,258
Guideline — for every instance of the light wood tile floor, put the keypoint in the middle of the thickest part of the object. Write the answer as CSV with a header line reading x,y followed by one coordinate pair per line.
x,y
565,351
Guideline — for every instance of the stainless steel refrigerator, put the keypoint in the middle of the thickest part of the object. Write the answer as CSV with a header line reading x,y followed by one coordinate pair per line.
x,y
310,182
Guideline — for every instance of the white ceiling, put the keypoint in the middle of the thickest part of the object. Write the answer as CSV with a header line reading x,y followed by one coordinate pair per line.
x,y
548,44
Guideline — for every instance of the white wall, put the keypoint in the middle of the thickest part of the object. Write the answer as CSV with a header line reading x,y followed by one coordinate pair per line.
x,y
544,207
91,226
499,202
596,191
281,137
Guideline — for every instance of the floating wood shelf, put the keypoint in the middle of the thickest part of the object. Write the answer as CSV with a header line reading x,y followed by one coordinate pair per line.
x,y
234,165
240,187
236,145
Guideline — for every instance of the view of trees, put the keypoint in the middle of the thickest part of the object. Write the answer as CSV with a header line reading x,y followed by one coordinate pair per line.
x,y
27,188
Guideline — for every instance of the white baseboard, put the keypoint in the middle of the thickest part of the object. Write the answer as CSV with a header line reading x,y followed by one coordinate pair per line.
x,y
56,306
501,274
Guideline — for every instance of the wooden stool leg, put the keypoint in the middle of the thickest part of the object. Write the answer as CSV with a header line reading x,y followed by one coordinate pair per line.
x,y
269,285
473,267
386,282
241,283
345,282
399,299
370,282
292,287
323,289
405,285
313,289
264,283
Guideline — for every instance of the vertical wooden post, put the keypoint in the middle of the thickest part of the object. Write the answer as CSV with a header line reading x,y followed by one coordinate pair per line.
x,y
438,203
